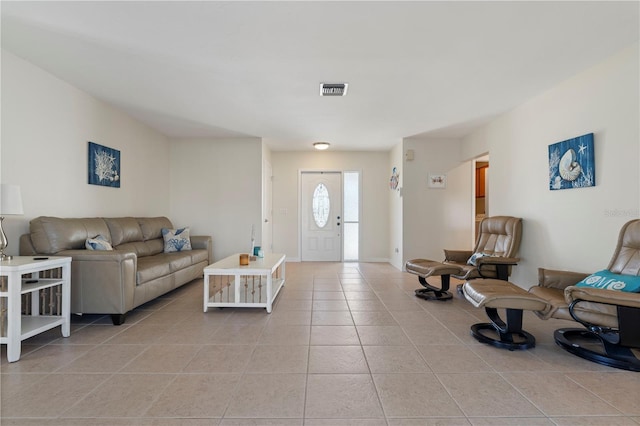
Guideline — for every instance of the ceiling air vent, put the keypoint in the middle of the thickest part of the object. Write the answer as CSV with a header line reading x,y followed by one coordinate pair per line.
x,y
333,89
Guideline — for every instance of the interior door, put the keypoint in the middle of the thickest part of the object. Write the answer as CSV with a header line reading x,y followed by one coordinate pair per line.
x,y
267,209
321,216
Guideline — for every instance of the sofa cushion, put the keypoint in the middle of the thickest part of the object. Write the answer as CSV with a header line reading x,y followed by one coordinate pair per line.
x,y
152,267
99,242
152,226
123,230
51,235
198,256
176,240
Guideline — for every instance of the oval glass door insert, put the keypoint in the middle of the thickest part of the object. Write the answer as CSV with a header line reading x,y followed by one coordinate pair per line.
x,y
321,205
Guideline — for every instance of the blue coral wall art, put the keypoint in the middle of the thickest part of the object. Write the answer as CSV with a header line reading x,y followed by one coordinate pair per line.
x,y
572,163
104,166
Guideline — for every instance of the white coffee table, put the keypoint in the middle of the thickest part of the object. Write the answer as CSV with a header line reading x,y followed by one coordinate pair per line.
x,y
228,284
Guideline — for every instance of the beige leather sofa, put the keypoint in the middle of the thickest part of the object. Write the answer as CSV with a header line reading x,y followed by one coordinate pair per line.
x,y
114,282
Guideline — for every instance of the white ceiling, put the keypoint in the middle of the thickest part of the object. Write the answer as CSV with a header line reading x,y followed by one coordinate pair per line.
x,y
234,69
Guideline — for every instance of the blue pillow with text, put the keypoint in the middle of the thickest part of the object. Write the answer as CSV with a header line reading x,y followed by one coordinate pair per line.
x,y
607,280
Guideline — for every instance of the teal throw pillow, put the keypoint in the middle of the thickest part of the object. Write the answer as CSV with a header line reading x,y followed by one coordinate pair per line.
x,y
609,281
176,240
99,242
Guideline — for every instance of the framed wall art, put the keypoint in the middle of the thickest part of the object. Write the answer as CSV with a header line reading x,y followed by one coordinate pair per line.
x,y
572,163
104,166
438,181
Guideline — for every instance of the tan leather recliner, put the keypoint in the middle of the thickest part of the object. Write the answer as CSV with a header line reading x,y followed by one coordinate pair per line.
x,y
499,237
611,318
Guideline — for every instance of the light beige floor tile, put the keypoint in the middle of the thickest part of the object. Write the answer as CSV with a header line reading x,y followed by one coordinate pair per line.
x,y
276,334
402,305
366,305
360,287
237,334
194,332
381,335
331,318
278,359
593,421
560,360
105,359
486,394
330,305
261,422
413,318
505,360
403,395
452,359
268,396
510,421
359,295
290,317
326,285
345,422
11,384
334,335
91,335
430,334
620,389
140,333
293,305
51,396
122,395
220,359
162,359
45,359
373,318
291,294
394,359
328,295
198,395
337,360
430,421
557,395
341,396
250,316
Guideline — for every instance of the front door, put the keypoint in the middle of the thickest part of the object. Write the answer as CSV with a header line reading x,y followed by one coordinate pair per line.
x,y
321,214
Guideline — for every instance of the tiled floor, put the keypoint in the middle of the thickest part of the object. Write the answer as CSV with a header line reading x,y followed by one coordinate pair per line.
x,y
346,344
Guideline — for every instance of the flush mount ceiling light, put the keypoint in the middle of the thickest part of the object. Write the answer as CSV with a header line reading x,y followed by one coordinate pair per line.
x,y
321,146
333,89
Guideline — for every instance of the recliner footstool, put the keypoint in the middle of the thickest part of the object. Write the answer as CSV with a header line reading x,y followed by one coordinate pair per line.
x,y
493,294
425,268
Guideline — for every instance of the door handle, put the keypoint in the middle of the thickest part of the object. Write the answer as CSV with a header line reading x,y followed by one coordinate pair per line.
x,y
338,223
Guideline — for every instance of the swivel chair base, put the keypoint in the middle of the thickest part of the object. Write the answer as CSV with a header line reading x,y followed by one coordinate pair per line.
x,y
510,335
590,346
430,292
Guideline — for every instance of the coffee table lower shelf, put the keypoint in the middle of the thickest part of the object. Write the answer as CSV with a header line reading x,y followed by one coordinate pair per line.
x,y
227,284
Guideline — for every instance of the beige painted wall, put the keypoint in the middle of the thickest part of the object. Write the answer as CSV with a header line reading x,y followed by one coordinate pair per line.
x,y
216,190
573,229
436,219
46,126
374,227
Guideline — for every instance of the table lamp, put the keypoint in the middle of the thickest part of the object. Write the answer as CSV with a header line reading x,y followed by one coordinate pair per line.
x,y
10,203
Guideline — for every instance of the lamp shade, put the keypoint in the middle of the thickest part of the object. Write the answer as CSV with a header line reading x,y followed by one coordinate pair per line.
x,y
10,199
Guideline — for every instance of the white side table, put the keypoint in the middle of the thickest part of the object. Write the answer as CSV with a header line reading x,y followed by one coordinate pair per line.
x,y
18,326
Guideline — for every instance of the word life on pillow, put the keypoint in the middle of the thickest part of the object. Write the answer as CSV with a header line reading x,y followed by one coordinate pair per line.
x,y
176,240
609,281
99,242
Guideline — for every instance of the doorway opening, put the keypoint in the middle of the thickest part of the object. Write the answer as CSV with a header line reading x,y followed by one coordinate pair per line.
x,y
481,191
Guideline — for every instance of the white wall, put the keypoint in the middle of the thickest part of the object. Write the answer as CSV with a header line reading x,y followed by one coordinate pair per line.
x,y
46,126
396,242
216,190
375,173
574,229
436,219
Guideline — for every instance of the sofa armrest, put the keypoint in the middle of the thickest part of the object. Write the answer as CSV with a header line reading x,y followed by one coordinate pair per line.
x,y
457,256
551,278
102,281
203,242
